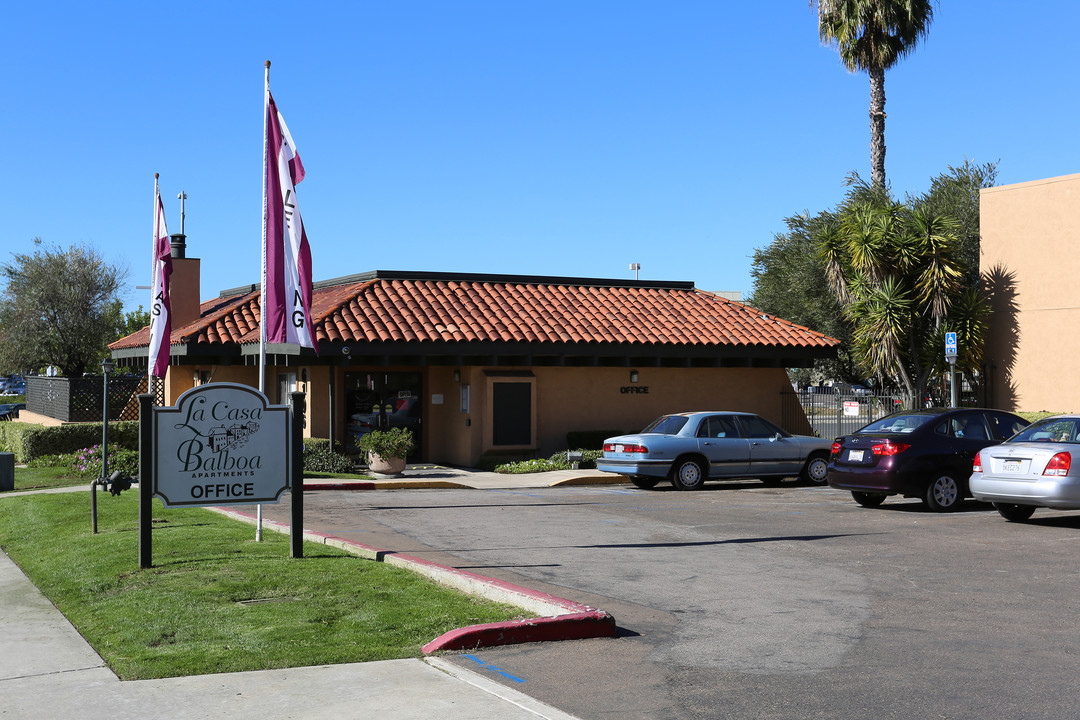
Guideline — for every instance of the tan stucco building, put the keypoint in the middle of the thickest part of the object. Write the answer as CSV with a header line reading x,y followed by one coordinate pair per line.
x,y
1030,257
482,365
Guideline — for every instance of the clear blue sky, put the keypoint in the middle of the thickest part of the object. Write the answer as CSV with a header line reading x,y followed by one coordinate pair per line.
x,y
549,137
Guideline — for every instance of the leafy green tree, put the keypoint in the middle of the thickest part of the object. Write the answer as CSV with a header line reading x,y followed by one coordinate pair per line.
x,y
789,282
123,324
956,193
872,36
55,308
898,273
126,323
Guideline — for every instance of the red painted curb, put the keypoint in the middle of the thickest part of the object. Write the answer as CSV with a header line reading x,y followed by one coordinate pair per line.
x,y
580,621
578,626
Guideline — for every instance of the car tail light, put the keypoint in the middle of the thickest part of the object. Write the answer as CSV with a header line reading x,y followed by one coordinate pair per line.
x,y
889,448
977,465
1059,464
837,447
619,447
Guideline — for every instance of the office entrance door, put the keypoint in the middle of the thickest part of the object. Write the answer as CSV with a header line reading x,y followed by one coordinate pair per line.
x,y
380,401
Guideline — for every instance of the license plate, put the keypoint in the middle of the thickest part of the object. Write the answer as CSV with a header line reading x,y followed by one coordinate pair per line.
x,y
1011,466
618,448
855,455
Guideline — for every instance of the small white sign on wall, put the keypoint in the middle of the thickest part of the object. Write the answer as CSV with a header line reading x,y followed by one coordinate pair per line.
x,y
437,399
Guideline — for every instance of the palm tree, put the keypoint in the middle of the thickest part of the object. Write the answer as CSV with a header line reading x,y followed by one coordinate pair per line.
x,y
872,35
896,272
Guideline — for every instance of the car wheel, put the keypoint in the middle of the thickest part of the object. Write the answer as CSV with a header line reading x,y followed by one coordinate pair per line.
x,y
943,494
816,470
688,475
645,483
868,499
1014,513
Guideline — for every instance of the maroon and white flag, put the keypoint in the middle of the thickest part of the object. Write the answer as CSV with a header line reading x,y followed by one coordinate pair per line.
x,y
288,258
160,307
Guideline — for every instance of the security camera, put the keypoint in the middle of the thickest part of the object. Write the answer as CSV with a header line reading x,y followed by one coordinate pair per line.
x,y
345,351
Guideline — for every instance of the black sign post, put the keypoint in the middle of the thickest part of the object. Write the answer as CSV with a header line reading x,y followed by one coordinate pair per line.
x,y
296,476
146,473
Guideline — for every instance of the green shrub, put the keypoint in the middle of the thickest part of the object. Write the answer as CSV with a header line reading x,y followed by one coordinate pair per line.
x,y
86,462
393,443
558,461
320,457
492,462
28,441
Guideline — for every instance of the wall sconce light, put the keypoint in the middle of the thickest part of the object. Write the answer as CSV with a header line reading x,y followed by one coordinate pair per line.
x,y
633,376
457,376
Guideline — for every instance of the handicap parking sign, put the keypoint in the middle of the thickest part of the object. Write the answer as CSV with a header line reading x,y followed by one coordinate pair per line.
x,y
950,344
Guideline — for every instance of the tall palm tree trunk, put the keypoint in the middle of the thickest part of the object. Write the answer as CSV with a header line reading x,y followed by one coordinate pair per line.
x,y
877,126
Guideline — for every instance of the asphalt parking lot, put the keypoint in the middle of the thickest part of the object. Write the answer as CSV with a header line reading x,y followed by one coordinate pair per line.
x,y
743,601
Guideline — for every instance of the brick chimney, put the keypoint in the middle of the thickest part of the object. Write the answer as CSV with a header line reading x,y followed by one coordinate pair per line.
x,y
184,294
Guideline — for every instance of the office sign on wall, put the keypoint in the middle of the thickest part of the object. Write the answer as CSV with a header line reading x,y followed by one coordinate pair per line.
x,y
223,444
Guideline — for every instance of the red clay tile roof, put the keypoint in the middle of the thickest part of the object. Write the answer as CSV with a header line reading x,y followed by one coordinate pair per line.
x,y
430,310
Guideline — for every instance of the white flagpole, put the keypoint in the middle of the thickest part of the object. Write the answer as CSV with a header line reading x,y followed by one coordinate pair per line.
x,y
153,271
262,287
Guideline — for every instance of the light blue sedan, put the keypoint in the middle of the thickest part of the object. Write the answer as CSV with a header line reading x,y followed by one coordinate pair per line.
x,y
690,448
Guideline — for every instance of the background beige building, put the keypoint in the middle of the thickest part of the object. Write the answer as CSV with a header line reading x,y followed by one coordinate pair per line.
x,y
1031,257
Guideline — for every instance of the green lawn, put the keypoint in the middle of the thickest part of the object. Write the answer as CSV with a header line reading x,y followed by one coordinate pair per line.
x,y
31,478
46,477
215,600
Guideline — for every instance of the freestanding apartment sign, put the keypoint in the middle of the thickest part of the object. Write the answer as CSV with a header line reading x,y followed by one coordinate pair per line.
x,y
221,445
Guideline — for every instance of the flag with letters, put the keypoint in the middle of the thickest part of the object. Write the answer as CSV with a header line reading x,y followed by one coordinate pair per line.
x,y
160,307
288,258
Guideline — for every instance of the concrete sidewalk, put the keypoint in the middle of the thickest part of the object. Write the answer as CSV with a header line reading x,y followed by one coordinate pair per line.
x,y
47,670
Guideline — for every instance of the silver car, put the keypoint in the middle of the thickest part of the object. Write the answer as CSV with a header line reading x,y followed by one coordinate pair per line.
x,y
1032,469
690,448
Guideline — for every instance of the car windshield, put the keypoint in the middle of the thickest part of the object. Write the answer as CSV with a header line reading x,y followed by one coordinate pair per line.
x,y
666,425
1050,430
896,424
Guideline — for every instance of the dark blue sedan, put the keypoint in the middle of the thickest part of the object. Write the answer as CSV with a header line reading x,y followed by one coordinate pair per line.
x,y
926,454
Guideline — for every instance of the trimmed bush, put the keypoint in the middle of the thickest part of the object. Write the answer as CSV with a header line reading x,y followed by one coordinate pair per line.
x,y
558,461
320,457
28,441
86,462
397,442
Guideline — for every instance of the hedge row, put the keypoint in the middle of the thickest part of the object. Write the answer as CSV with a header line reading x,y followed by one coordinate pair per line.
x,y
28,441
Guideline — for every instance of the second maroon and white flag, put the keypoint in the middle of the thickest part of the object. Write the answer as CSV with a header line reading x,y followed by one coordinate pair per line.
x,y
288,256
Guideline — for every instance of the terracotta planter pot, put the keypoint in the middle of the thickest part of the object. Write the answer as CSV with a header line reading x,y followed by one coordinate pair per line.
x,y
385,466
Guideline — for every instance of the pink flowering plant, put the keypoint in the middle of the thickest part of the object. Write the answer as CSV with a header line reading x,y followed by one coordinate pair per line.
x,y
87,462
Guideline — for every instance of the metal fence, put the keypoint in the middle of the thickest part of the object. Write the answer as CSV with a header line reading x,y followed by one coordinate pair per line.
x,y
830,415
80,399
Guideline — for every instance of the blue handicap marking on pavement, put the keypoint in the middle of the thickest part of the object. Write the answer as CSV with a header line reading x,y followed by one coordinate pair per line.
x,y
494,669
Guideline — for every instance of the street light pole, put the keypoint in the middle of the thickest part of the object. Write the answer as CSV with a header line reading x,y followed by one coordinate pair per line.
x,y
107,366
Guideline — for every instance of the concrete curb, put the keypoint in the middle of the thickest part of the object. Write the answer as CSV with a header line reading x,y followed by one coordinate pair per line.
x,y
593,480
385,485
559,618
422,484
